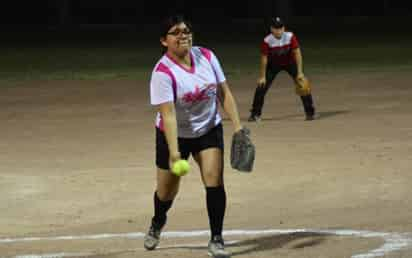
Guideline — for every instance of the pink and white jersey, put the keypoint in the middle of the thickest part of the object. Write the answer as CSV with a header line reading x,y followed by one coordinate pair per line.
x,y
279,51
193,91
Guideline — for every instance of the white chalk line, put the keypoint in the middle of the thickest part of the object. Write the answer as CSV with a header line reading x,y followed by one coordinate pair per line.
x,y
176,246
392,241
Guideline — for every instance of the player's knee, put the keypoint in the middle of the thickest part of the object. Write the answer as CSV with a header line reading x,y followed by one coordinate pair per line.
x,y
212,178
167,189
167,193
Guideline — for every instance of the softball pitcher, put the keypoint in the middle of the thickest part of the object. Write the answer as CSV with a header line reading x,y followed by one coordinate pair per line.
x,y
186,86
280,52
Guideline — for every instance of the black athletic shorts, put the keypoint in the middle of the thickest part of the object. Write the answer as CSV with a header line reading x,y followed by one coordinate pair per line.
x,y
187,146
272,70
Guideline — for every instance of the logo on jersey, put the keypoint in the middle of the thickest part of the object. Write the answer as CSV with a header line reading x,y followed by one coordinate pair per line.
x,y
281,51
200,94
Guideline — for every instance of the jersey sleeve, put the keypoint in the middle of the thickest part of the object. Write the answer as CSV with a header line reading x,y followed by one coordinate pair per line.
x,y
217,68
161,88
264,48
294,42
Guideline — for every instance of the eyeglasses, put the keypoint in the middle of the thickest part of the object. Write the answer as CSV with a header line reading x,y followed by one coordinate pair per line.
x,y
177,32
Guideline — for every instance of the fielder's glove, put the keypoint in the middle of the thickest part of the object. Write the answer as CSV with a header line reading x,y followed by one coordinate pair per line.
x,y
242,153
303,87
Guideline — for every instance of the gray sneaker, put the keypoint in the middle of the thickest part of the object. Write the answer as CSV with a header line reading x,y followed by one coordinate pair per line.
x,y
152,238
216,248
254,118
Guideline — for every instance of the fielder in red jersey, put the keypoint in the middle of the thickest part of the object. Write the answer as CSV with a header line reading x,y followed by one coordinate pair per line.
x,y
280,52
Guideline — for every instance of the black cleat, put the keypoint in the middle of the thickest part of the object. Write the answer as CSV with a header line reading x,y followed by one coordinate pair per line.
x,y
310,117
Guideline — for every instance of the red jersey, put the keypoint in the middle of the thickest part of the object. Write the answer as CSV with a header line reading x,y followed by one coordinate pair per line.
x,y
279,51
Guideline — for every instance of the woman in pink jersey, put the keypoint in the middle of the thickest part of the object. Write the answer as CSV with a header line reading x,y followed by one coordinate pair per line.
x,y
186,86
279,52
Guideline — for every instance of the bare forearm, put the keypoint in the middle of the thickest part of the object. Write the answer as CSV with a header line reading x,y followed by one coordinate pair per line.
x,y
263,64
231,110
230,107
168,114
170,130
299,60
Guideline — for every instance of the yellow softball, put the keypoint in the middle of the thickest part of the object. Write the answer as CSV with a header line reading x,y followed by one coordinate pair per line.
x,y
180,167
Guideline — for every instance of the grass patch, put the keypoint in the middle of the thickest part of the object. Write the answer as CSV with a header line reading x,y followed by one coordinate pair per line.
x,y
132,58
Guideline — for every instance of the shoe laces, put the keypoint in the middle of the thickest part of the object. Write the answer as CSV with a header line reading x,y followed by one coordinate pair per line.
x,y
218,242
154,232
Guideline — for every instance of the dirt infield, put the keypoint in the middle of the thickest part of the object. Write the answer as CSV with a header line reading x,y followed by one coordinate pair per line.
x,y
77,159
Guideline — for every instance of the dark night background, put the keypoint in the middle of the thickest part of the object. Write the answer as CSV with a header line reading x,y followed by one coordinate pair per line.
x,y
72,12
101,36
215,17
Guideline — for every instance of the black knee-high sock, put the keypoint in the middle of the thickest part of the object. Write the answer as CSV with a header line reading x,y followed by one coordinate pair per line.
x,y
307,102
216,206
160,211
